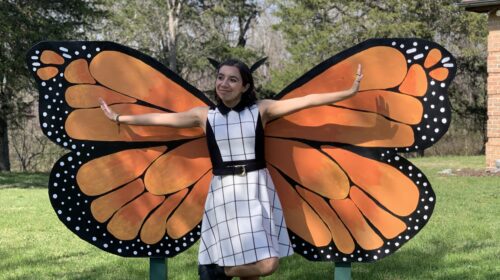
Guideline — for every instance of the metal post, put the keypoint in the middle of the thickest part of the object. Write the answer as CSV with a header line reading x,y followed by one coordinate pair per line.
x,y
342,271
157,268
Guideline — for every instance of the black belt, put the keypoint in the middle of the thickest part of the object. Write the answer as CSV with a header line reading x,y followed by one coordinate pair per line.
x,y
238,167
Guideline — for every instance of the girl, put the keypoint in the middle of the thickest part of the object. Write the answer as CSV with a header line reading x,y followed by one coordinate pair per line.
x,y
243,231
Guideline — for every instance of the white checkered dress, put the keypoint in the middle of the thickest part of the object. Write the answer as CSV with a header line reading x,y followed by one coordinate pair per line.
x,y
243,221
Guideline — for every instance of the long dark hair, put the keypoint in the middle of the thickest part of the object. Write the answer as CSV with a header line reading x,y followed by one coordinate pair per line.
x,y
249,95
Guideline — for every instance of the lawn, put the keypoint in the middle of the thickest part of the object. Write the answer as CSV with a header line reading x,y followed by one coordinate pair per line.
x,y
461,241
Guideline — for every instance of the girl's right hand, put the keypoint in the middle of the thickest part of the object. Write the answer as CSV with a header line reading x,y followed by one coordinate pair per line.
x,y
107,111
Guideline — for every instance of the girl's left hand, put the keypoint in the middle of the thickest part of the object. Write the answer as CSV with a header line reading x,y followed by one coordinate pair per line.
x,y
357,80
107,111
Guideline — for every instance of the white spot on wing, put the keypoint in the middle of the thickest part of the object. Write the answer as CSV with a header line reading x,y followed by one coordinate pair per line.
x,y
418,56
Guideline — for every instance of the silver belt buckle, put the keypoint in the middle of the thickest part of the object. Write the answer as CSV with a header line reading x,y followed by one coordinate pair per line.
x,y
243,169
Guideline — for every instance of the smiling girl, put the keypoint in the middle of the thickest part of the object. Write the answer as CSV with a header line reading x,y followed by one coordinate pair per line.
x,y
243,231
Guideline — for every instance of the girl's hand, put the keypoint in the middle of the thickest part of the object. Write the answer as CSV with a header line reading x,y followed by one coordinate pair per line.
x,y
357,80
107,111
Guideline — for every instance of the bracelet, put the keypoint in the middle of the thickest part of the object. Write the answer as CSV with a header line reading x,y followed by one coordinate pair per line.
x,y
117,121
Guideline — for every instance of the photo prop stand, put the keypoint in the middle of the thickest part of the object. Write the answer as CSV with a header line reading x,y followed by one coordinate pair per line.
x,y
158,268
343,271
347,193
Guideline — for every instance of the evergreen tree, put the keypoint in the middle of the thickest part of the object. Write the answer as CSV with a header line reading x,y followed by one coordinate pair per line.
x,y
22,24
317,29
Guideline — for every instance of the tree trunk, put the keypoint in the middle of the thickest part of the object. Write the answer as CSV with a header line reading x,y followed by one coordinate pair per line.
x,y
244,25
241,37
4,135
4,147
174,10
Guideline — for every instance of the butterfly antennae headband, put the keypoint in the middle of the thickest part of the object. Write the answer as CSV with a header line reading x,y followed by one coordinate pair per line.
x,y
254,67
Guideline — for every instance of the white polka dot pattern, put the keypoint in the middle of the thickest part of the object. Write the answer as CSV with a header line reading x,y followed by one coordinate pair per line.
x,y
71,205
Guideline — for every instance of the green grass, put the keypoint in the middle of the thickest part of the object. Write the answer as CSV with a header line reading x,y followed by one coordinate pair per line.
x,y
461,241
23,180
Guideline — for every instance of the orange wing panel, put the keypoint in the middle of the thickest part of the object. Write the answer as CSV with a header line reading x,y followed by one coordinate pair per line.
x,y
105,206
87,96
127,222
51,57
155,226
366,237
182,166
403,108
415,82
307,166
46,73
385,183
332,124
432,58
439,74
106,173
299,216
78,72
340,234
92,124
386,223
190,212
383,67
135,78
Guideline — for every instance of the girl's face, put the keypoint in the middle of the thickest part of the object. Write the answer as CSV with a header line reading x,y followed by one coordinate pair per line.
x,y
229,85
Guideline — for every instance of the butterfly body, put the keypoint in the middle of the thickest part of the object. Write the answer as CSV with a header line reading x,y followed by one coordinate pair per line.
x,y
347,193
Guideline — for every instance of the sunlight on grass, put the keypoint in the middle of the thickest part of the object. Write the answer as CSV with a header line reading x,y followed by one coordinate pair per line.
x,y
461,240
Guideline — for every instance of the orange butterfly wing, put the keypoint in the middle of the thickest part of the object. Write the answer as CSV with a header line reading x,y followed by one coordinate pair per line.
x,y
347,195
133,191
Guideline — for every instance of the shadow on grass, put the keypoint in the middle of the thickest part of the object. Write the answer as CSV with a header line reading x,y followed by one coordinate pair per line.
x,y
417,263
189,270
23,180
408,264
431,262
67,266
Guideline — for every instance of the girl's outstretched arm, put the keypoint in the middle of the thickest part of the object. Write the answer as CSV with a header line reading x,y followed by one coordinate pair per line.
x,y
272,109
191,118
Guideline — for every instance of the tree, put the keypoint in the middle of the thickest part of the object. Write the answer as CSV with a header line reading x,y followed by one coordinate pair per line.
x,y
30,146
317,29
182,34
23,23
220,31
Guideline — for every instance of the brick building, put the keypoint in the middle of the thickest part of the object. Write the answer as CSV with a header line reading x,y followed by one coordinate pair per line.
x,y
492,8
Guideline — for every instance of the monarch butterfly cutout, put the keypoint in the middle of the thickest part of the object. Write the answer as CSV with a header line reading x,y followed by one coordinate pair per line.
x,y
346,192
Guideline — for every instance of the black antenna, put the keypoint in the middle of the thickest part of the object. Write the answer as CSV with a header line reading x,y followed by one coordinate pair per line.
x,y
257,64
214,62
254,67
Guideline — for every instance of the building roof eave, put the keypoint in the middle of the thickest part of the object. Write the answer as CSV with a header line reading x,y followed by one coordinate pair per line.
x,y
479,6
